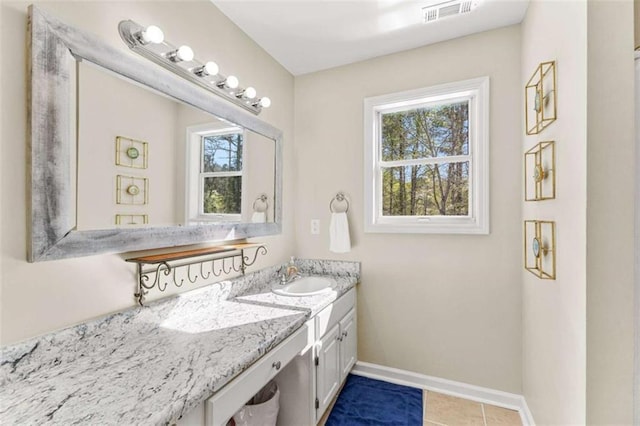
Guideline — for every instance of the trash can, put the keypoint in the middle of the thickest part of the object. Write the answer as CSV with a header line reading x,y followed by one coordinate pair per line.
x,y
262,409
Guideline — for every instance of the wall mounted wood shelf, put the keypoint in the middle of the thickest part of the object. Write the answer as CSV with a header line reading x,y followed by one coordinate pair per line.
x,y
159,270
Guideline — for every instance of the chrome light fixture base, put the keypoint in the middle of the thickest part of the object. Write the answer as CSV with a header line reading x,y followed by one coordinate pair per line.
x,y
160,53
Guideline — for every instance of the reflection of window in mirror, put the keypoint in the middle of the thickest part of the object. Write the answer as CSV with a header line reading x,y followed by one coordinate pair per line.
x,y
221,173
215,173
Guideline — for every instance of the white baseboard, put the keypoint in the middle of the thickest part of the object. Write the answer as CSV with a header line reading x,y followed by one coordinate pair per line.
x,y
449,387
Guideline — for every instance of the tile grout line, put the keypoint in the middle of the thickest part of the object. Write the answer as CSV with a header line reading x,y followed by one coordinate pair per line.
x,y
424,406
424,411
484,417
429,422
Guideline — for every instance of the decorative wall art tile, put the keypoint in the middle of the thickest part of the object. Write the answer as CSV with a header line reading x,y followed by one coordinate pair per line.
x,y
540,172
540,248
132,190
131,153
540,98
132,219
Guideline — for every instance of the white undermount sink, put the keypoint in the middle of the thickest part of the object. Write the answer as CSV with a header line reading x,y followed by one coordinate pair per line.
x,y
306,286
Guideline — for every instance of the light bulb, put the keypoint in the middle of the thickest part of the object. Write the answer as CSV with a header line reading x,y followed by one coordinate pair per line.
x,y
249,93
265,102
152,34
231,82
210,68
185,53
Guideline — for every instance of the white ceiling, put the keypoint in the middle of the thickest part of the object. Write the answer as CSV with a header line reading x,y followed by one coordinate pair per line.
x,y
311,35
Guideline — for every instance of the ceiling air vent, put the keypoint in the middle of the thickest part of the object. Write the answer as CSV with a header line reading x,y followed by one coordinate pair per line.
x,y
448,8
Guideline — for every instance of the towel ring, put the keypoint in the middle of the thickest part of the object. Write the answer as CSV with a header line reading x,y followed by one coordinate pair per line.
x,y
340,197
262,198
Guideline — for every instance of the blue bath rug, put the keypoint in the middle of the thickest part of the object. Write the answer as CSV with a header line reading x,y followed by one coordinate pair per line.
x,y
365,401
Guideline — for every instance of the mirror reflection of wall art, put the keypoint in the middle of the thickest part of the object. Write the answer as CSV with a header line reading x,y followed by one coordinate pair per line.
x,y
132,190
540,98
131,153
132,219
540,248
540,172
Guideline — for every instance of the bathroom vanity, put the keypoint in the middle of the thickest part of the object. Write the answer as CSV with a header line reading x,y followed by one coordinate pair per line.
x,y
198,356
208,350
309,368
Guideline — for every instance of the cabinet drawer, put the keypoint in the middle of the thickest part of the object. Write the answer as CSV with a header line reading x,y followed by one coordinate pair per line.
x,y
333,313
228,400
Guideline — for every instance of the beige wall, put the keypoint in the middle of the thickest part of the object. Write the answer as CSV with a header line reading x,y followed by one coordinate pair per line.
x,y
132,112
3,124
637,246
259,171
443,305
636,7
38,298
553,312
578,330
610,213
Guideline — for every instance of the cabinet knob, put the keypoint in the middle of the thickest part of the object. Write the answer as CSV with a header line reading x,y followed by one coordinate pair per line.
x,y
276,365
345,334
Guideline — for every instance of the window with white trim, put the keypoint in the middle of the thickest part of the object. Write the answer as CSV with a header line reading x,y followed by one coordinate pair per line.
x,y
426,160
215,174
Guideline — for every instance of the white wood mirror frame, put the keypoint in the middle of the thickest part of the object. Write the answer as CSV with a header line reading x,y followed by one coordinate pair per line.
x,y
54,49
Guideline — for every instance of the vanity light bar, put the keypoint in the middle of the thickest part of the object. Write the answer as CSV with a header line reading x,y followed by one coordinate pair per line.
x,y
150,43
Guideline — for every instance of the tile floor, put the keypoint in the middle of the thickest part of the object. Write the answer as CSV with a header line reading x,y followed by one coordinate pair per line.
x,y
445,410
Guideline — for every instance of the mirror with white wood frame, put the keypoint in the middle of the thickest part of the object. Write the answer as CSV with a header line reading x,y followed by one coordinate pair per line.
x,y
126,156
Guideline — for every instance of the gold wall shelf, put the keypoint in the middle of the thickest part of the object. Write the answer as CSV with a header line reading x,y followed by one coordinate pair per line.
x,y
162,269
540,248
540,172
540,107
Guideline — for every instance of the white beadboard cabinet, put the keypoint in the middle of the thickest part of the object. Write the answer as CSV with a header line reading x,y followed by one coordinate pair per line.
x,y
309,368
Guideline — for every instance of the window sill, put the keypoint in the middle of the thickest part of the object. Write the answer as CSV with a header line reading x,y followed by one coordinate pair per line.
x,y
469,228
215,218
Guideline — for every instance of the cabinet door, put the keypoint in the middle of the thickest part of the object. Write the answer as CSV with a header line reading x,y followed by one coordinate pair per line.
x,y
348,343
328,370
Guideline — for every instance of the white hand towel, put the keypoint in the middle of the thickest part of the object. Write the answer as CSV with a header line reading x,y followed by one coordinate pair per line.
x,y
259,217
339,241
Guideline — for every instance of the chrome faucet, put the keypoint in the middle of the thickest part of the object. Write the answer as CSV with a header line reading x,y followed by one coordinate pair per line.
x,y
291,272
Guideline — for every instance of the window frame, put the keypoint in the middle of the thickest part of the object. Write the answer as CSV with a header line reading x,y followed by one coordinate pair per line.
x,y
477,221
194,202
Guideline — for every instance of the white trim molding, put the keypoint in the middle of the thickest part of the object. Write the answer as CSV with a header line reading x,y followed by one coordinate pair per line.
x,y
476,92
636,374
498,398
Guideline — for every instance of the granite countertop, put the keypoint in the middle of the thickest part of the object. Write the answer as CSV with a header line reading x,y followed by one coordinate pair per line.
x,y
309,304
152,365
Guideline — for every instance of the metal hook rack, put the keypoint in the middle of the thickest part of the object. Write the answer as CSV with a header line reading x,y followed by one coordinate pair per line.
x,y
340,198
164,268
